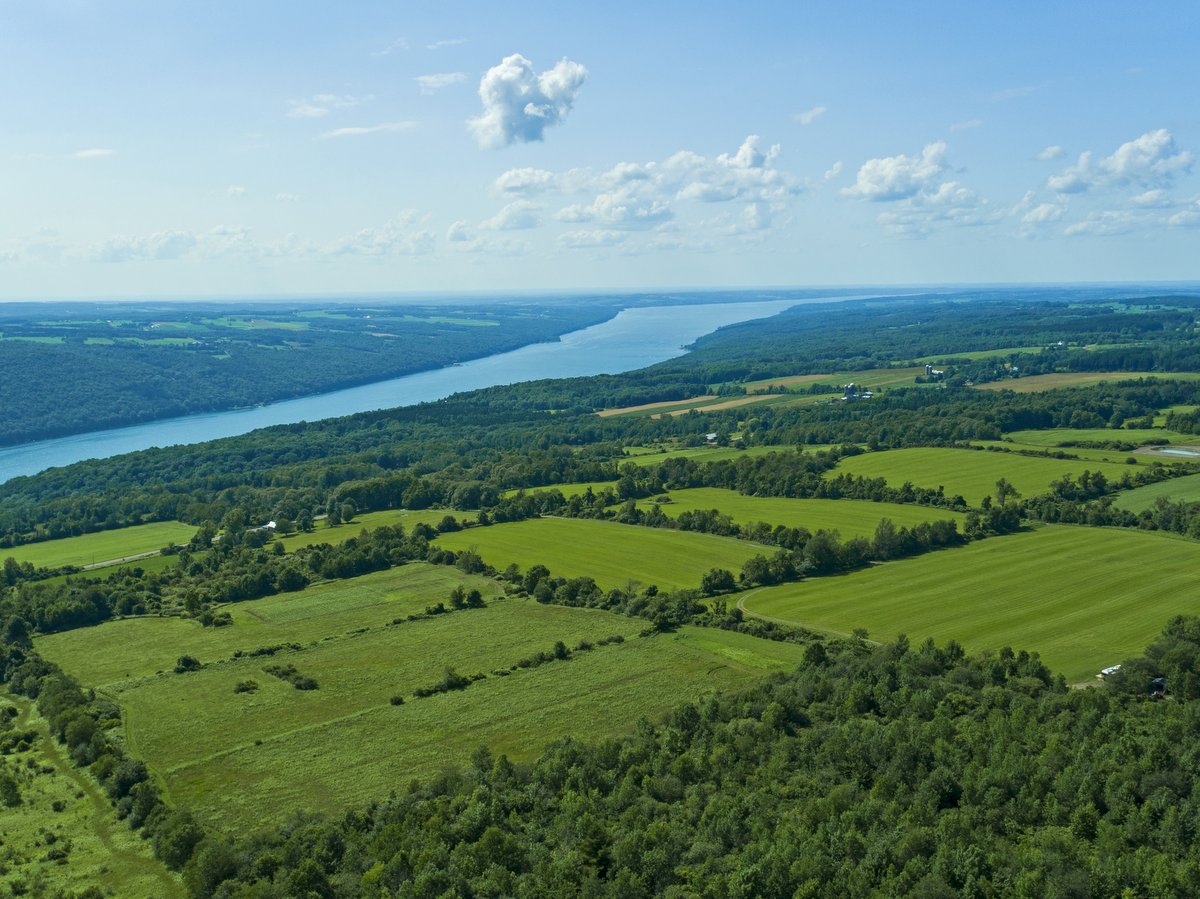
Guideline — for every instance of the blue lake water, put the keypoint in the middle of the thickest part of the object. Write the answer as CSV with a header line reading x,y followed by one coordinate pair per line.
x,y
633,339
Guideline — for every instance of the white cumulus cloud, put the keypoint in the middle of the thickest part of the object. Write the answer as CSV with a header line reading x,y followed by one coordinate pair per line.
x,y
1052,152
160,246
519,104
518,215
1150,161
404,235
900,177
525,181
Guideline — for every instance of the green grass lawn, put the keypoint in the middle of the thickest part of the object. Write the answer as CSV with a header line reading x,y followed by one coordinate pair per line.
x,y
1085,598
567,490
971,473
240,760
322,533
1055,380
103,545
101,848
852,518
613,554
1185,489
140,647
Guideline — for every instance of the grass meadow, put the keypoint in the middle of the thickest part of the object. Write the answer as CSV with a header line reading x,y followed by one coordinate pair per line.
x,y
64,808
1055,380
969,473
614,554
852,518
1084,598
1185,489
102,546
239,760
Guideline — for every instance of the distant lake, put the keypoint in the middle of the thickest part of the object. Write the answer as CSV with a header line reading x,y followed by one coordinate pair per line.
x,y
633,339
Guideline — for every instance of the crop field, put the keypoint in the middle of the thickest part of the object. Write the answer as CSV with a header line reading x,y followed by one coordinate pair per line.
x,y
322,533
1177,490
852,518
64,810
644,456
1038,383
970,473
872,379
228,756
1052,437
979,354
613,554
102,546
139,647
1084,598
567,490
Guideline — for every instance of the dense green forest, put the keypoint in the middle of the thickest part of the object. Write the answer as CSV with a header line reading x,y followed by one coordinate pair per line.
x,y
89,370
900,767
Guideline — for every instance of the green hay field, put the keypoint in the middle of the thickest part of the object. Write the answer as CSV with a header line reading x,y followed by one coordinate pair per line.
x,y
241,760
102,850
613,554
852,518
646,456
971,473
1052,437
1085,598
1038,383
139,647
1177,490
102,546
323,533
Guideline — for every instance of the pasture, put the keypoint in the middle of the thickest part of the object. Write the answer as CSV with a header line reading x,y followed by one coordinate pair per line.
x,y
652,456
969,473
1052,437
614,554
323,533
1177,490
132,648
1084,598
102,546
851,518
233,758
64,810
1055,380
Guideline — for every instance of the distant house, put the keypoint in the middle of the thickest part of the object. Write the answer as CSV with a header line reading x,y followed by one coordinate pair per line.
x,y
710,438
1105,672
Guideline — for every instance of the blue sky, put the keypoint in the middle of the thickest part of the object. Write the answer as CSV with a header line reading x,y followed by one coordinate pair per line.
x,y
159,149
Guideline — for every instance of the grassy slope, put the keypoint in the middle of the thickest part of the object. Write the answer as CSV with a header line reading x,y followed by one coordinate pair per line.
x,y
1038,383
237,759
138,647
1185,489
972,473
640,456
851,517
103,850
103,545
1084,598
322,533
1051,437
613,554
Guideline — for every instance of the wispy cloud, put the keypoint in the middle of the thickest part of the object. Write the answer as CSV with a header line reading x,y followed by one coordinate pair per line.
x,y
967,125
1054,151
322,104
236,190
449,42
94,153
358,131
431,84
810,115
398,45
